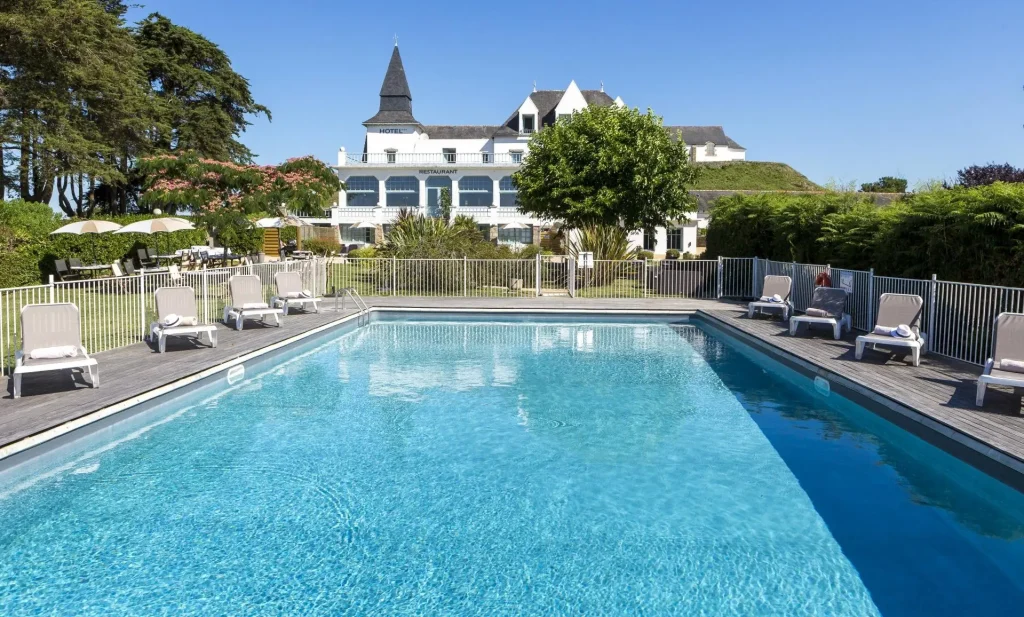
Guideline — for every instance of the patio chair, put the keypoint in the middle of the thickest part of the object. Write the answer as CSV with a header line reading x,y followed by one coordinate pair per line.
x,y
177,315
51,340
1006,366
895,310
247,301
781,286
144,258
75,262
290,292
63,272
828,307
129,267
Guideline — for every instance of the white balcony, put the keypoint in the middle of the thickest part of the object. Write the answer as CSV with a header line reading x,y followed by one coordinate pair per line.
x,y
433,159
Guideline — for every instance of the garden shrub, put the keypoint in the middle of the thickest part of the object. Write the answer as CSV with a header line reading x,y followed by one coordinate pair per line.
x,y
672,254
321,246
961,234
366,252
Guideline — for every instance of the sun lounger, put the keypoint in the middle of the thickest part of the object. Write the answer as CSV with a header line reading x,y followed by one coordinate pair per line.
x,y
291,293
895,310
1006,366
781,286
247,301
177,315
51,340
828,307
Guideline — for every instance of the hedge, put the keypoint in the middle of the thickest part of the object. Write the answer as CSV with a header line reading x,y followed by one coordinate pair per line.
x,y
961,234
27,251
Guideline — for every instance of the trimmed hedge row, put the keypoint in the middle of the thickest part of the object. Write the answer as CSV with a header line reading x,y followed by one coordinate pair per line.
x,y
962,234
27,251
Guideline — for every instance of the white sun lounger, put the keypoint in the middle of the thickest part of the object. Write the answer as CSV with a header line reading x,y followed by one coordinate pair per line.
x,y
1007,344
894,310
180,301
49,327
774,285
290,293
828,307
247,301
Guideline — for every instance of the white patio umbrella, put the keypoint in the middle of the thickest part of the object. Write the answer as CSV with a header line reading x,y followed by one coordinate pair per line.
x,y
87,227
515,225
156,226
281,221
365,225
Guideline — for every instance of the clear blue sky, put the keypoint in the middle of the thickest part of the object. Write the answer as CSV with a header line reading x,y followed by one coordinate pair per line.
x,y
839,90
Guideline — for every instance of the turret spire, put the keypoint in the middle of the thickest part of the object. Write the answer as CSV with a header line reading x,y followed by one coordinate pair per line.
x,y
395,97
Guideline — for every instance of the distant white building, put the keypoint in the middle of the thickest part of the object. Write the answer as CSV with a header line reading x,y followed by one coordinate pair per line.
x,y
406,164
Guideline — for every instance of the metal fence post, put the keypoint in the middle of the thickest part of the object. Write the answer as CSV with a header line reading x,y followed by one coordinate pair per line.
x,y
932,294
142,301
719,276
465,276
51,289
206,297
394,275
570,276
644,276
537,276
871,300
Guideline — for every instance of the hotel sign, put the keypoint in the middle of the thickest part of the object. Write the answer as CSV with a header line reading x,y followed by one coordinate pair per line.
x,y
438,172
395,130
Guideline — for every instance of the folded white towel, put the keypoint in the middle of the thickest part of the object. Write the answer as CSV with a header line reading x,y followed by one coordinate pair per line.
x,y
293,294
1014,366
53,353
764,299
883,330
816,312
254,305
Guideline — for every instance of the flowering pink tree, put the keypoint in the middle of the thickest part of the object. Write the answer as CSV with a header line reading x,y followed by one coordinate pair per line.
x,y
222,194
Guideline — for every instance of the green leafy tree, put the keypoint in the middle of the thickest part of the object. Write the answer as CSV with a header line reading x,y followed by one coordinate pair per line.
x,y
204,105
73,95
445,203
607,166
885,184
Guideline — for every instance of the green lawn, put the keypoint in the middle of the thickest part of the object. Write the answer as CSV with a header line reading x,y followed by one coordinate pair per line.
x,y
752,175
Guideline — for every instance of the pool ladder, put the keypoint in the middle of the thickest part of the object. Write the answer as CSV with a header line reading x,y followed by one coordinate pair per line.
x,y
356,299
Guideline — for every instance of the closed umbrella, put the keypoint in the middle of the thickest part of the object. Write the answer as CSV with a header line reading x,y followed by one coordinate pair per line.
x,y
87,227
156,226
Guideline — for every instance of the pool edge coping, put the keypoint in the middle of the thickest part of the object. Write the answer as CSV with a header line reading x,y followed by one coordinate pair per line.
x,y
919,423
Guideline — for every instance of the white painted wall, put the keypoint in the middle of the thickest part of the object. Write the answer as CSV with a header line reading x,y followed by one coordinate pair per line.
x,y
572,100
698,153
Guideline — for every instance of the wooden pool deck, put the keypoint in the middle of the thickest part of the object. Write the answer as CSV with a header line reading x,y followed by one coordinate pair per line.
x,y
940,390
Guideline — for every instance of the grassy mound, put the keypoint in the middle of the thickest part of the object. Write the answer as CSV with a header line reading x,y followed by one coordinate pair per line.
x,y
752,176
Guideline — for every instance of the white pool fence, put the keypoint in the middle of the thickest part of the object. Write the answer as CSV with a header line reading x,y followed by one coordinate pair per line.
x,y
117,311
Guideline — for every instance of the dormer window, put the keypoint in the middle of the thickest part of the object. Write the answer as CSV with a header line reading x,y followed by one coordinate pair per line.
x,y
529,124
392,155
709,149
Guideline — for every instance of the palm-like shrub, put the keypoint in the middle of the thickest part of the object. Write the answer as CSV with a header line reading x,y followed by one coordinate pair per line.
x,y
613,254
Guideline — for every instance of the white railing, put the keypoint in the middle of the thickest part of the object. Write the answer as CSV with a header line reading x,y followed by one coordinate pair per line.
x,y
116,312
434,159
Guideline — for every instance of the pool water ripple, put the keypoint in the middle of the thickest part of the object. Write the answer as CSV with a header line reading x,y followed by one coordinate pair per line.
x,y
459,468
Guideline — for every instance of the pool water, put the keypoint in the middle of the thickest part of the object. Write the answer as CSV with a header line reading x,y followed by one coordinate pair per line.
x,y
512,468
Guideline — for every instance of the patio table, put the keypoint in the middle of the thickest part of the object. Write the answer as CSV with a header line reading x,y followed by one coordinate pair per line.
x,y
92,270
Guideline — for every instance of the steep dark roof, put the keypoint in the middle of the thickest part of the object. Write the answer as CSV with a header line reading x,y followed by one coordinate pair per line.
x,y
460,132
395,97
547,100
700,135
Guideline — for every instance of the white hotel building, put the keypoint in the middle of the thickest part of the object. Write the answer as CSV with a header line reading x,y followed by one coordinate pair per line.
x,y
406,164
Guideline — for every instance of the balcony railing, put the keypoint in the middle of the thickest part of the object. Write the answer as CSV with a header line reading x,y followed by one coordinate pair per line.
x,y
434,159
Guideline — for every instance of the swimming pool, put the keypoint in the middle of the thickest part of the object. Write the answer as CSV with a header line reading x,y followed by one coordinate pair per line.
x,y
461,466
